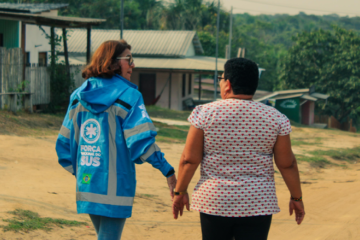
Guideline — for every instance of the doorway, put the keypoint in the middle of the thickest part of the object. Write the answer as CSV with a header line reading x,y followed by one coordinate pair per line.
x,y
147,87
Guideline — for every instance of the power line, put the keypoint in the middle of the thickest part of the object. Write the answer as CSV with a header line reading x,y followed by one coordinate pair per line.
x,y
280,5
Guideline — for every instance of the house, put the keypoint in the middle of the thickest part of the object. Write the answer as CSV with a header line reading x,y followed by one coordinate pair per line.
x,y
298,104
36,44
20,32
166,62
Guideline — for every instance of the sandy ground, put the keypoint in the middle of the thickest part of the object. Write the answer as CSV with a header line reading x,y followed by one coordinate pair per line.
x,y
31,179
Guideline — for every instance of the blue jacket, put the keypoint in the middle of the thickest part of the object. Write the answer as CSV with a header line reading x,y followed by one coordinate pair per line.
x,y
106,131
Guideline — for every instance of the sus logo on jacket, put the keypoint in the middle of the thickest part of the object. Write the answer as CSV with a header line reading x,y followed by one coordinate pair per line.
x,y
90,130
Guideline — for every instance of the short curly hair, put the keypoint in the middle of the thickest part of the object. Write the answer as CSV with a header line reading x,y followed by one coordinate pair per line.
x,y
103,62
243,75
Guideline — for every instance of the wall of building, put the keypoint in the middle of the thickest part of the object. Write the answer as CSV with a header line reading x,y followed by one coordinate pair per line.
x,y
36,42
161,81
307,113
11,32
162,84
191,51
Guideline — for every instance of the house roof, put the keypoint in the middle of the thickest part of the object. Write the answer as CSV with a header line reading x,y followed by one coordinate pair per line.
x,y
54,21
31,7
149,43
286,94
282,94
196,64
190,64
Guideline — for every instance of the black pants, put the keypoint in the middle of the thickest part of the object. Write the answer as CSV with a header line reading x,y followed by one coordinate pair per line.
x,y
229,228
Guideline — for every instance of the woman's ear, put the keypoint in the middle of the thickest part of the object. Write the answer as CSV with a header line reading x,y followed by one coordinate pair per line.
x,y
228,87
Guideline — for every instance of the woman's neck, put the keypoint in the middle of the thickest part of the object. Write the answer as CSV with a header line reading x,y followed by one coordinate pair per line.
x,y
239,96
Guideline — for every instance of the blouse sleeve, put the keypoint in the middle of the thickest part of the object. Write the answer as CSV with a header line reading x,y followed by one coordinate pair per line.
x,y
285,127
197,118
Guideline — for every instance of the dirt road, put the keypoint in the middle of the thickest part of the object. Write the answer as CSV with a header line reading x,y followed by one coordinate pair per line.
x,y
31,179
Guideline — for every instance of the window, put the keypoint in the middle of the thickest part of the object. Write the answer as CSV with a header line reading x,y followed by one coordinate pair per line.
x,y
1,40
43,59
183,85
190,86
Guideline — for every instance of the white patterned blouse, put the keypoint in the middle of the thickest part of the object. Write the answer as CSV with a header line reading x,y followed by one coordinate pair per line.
x,y
237,173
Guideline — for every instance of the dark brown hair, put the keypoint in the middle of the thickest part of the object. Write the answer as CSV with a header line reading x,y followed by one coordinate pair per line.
x,y
103,62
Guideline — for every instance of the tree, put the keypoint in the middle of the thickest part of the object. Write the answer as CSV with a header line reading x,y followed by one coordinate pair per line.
x,y
330,60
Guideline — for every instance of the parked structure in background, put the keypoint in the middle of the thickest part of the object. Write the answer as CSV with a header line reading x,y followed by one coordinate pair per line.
x,y
166,62
298,104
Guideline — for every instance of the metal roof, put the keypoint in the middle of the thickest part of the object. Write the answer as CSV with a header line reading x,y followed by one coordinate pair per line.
x,y
196,64
308,97
153,43
54,21
283,94
31,7
320,95
192,64
288,96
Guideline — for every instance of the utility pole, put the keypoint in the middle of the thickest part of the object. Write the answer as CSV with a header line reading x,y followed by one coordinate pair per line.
x,y
230,31
122,19
217,51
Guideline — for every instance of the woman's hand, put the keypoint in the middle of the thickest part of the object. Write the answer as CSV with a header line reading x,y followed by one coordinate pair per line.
x,y
299,210
171,181
178,204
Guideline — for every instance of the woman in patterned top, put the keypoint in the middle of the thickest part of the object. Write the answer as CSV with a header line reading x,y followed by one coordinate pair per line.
x,y
235,140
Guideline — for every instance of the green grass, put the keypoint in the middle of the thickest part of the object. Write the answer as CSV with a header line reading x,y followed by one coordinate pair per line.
x,y
315,161
171,133
349,154
306,141
318,157
141,195
25,221
158,112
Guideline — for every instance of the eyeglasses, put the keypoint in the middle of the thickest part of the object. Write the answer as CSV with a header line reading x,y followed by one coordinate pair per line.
x,y
130,58
219,79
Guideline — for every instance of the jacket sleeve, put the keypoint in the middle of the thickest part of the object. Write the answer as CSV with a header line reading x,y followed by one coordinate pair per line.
x,y
63,145
140,133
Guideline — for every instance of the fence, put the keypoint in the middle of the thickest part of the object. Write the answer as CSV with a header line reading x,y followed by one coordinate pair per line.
x,y
38,79
11,72
75,71
332,122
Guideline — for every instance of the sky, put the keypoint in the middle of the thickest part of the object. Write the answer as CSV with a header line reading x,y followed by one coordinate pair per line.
x,y
349,8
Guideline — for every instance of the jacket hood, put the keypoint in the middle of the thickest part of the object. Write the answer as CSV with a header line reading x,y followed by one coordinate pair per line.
x,y
98,94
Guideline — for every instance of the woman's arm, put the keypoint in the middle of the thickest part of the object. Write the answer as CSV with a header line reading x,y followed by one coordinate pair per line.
x,y
190,160
286,163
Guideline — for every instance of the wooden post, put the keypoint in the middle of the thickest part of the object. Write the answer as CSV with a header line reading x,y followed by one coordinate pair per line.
x,y
2,68
66,53
88,46
13,102
170,91
52,43
199,86
28,102
23,37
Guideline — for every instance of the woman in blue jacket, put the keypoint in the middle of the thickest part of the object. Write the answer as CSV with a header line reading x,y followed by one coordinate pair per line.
x,y
106,131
